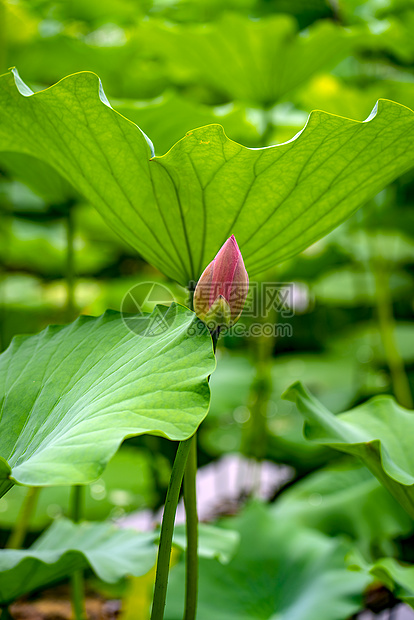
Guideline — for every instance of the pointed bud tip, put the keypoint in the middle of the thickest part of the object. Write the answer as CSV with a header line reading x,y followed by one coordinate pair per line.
x,y
221,292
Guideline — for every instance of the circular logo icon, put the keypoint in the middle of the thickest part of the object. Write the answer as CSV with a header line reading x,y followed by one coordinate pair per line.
x,y
146,309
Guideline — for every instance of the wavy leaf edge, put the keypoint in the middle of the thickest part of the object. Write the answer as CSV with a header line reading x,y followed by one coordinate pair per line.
x,y
26,91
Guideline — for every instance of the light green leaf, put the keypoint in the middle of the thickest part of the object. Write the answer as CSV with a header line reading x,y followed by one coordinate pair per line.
x,y
213,542
345,499
168,118
353,287
39,176
177,210
259,61
71,394
365,335
66,547
279,572
327,92
397,577
379,432
42,249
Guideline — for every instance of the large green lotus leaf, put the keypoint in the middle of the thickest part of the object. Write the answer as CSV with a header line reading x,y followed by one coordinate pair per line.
x,y
279,571
71,394
264,59
345,499
379,432
397,577
66,547
177,210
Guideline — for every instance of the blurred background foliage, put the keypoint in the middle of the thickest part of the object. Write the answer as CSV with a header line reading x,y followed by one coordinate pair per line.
x,y
258,67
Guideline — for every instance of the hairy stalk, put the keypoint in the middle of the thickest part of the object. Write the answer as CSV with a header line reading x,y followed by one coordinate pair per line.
x,y
18,534
167,529
77,585
190,502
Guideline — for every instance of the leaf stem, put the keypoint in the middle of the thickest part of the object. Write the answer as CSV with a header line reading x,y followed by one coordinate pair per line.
x,y
76,507
78,595
18,534
70,264
5,613
77,584
386,322
190,502
167,529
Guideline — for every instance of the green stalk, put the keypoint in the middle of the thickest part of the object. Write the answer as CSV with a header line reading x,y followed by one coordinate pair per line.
x,y
18,534
190,502
167,529
5,614
5,223
254,431
386,322
70,265
3,39
77,585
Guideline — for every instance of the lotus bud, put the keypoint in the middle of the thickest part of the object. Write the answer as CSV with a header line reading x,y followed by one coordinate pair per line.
x,y
221,291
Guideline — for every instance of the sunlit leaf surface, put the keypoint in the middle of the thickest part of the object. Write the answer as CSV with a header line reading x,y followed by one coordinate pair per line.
x,y
178,209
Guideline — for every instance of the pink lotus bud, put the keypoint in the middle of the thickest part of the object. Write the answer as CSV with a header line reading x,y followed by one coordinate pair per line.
x,y
221,291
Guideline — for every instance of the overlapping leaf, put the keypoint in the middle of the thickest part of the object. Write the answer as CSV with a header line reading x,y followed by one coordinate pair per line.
x,y
213,542
379,432
397,577
71,394
178,209
168,118
345,500
259,61
66,547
